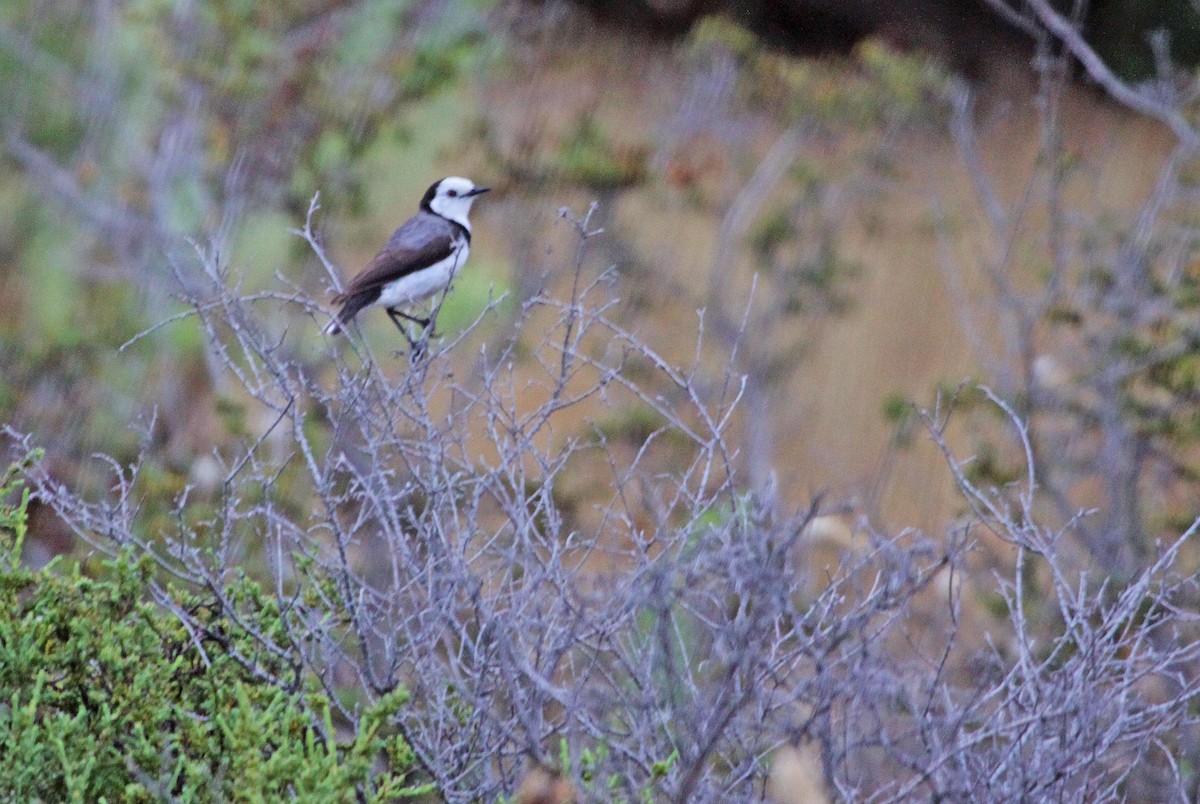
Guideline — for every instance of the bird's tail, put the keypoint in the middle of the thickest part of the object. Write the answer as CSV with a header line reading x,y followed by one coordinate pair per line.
x,y
350,307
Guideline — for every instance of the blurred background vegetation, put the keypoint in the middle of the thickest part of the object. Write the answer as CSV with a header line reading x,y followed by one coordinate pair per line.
x,y
789,168
800,146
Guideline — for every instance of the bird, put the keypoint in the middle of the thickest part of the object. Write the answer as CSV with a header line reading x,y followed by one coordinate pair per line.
x,y
419,259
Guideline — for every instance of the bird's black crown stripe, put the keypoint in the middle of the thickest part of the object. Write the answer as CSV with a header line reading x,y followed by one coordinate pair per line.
x,y
428,198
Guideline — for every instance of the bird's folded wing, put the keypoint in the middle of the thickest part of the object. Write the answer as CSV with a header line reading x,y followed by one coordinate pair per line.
x,y
395,261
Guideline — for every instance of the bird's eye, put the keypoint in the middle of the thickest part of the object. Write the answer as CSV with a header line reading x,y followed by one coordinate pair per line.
x,y
452,193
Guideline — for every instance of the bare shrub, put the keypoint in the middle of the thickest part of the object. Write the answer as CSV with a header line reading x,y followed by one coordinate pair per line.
x,y
1089,322
1089,692
1092,361
411,525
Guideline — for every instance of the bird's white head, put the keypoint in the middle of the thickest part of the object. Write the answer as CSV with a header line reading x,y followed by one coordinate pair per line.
x,y
452,198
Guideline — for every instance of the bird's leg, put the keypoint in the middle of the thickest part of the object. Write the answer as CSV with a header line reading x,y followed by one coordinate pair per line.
x,y
396,315
424,322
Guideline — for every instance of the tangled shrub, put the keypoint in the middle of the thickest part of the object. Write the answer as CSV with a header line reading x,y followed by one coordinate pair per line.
x,y
409,525
107,692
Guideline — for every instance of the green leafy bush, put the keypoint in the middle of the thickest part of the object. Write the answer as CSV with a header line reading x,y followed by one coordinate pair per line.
x,y
105,695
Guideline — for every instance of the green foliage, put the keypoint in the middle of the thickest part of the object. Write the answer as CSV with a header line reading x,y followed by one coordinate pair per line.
x,y
107,695
899,411
797,246
590,158
35,79
904,85
886,85
1147,326
14,507
586,769
719,32
635,424
991,468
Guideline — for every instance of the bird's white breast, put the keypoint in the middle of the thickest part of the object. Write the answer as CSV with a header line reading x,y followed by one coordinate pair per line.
x,y
424,283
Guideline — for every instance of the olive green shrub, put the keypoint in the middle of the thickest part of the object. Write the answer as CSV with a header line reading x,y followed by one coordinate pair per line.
x,y
106,695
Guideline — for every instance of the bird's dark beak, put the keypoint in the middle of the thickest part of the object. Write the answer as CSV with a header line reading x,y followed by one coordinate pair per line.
x,y
479,190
